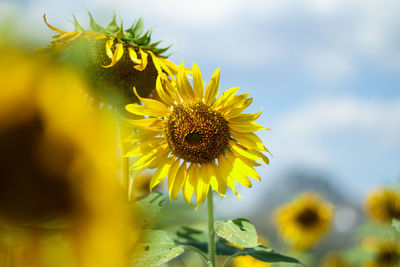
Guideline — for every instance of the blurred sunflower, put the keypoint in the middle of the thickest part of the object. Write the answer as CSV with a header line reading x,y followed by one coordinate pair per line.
x,y
333,259
60,203
196,139
383,205
304,221
140,184
115,59
385,253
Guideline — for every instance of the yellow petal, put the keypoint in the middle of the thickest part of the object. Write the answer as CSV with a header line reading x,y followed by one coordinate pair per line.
x,y
188,187
249,140
143,64
170,65
228,94
241,165
241,178
183,83
118,53
163,95
179,180
146,110
109,44
233,112
150,123
212,88
52,27
172,175
133,56
161,173
142,136
198,84
216,180
246,126
143,148
245,117
249,153
154,105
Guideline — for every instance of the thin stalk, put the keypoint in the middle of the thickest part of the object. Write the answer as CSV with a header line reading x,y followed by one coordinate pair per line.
x,y
211,231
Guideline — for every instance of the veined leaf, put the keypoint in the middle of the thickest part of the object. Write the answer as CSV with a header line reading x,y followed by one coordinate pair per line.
x,y
240,232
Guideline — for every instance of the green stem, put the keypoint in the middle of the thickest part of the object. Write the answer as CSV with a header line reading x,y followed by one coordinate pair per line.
x,y
203,256
211,232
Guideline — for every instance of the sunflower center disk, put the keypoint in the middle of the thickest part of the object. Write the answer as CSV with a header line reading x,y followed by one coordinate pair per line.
x,y
307,218
196,133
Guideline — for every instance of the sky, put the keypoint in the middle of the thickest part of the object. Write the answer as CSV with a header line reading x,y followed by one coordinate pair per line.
x,y
324,72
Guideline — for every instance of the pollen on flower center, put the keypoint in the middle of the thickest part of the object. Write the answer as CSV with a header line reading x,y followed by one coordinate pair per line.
x,y
196,133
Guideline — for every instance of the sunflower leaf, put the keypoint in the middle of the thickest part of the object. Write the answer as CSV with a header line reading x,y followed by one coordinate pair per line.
x,y
240,232
396,224
155,248
265,254
149,206
144,39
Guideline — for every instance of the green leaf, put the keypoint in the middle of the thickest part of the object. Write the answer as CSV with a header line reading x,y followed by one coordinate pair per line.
x,y
113,26
161,50
149,206
375,229
396,224
268,255
143,40
155,248
240,232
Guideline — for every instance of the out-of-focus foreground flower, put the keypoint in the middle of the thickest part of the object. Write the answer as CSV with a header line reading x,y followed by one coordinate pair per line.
x,y
196,139
115,59
305,220
383,205
56,165
385,253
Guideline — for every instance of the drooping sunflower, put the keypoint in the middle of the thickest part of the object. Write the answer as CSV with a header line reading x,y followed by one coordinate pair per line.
x,y
385,252
196,139
304,221
115,59
52,173
383,205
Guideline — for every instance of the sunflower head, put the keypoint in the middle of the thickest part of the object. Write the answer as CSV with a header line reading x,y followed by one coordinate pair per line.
x,y
385,252
115,59
51,172
196,139
304,221
383,205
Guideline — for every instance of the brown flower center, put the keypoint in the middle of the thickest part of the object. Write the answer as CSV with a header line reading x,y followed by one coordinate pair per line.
x,y
196,133
307,217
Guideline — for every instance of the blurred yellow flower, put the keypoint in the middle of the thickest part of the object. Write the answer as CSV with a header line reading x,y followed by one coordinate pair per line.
x,y
333,259
383,205
140,184
304,221
60,200
386,253
196,139
116,59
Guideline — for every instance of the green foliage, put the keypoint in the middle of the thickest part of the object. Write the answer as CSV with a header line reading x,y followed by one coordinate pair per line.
x,y
396,224
149,206
375,229
240,232
155,248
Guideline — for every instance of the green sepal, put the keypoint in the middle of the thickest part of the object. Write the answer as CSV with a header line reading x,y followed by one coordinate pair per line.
x,y
144,39
113,27
137,28
153,45
120,33
94,26
78,27
161,50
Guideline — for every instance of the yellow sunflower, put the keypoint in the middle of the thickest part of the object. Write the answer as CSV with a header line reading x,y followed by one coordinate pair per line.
x,y
115,59
196,139
304,221
60,202
385,253
383,205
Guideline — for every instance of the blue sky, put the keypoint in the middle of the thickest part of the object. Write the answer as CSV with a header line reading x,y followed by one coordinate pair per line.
x,y
325,72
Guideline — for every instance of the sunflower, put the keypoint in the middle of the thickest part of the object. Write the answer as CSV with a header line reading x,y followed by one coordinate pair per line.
x,y
383,205
304,221
140,184
333,259
51,175
115,59
385,253
196,139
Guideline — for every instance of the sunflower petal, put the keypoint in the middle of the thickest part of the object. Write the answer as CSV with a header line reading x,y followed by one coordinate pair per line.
x,y
180,179
134,56
245,117
172,175
188,187
118,53
249,140
154,105
183,85
143,64
198,84
161,173
246,126
212,88
52,27
109,52
221,101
